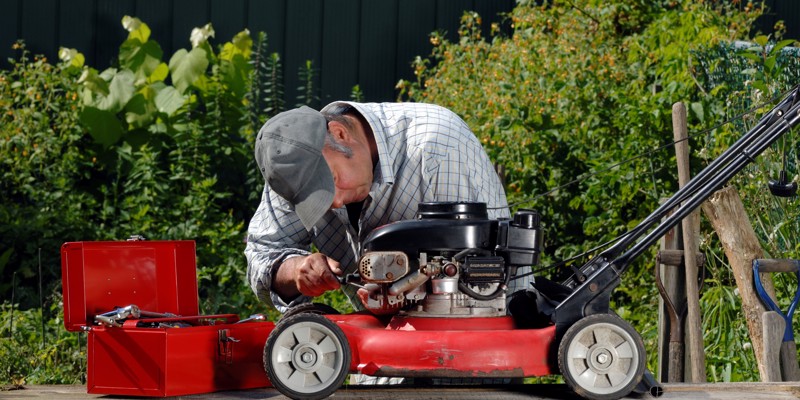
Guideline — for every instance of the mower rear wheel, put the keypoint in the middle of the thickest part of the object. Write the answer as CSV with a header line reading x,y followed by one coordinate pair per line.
x,y
601,357
307,357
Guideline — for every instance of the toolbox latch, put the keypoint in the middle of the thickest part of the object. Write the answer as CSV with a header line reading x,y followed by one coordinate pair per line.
x,y
225,346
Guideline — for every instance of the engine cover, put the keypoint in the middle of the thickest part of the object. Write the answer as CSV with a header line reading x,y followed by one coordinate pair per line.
x,y
451,260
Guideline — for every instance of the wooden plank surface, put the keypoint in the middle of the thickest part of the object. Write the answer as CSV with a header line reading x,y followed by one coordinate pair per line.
x,y
719,391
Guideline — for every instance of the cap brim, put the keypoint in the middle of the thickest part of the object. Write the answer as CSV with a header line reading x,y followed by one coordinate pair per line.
x,y
316,197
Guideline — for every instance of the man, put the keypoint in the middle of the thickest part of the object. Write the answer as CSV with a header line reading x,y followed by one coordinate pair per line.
x,y
335,175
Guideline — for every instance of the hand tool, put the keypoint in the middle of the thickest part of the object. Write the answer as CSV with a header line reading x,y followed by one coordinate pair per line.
x,y
788,353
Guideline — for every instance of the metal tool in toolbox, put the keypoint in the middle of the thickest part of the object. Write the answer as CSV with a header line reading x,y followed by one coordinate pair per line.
x,y
788,348
157,344
443,275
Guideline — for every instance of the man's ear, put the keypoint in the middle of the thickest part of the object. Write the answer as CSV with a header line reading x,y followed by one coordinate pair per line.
x,y
339,131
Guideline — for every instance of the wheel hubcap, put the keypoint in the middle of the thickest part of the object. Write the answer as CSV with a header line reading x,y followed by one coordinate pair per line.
x,y
307,356
603,358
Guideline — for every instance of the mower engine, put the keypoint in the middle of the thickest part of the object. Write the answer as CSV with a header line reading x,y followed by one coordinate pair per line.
x,y
450,261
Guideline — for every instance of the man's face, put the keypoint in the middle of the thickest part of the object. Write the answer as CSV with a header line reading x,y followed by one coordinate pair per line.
x,y
351,176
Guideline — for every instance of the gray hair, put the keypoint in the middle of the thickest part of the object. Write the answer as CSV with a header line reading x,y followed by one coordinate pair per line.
x,y
338,114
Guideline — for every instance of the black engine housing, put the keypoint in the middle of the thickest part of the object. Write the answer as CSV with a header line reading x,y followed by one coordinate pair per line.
x,y
452,227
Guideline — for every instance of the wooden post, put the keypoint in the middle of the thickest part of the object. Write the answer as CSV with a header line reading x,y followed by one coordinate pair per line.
x,y
669,369
691,230
727,215
773,329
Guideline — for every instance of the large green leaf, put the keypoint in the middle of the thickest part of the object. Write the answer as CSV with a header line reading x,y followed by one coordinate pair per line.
x,y
169,100
121,90
141,58
92,81
138,29
103,125
187,67
139,112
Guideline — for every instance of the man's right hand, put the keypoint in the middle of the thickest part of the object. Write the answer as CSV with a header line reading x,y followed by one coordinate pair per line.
x,y
310,275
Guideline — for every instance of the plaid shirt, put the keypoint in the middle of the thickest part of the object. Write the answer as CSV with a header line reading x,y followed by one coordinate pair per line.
x,y
425,153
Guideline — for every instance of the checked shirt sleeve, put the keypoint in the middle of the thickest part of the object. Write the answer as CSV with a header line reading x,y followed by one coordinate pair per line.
x,y
275,234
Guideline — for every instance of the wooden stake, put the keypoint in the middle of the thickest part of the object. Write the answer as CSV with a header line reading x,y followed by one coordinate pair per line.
x,y
773,329
727,215
691,230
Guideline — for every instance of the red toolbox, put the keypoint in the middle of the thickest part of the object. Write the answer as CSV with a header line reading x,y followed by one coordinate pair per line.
x,y
155,353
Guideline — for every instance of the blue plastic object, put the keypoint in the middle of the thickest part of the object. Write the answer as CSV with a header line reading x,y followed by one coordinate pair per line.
x,y
788,333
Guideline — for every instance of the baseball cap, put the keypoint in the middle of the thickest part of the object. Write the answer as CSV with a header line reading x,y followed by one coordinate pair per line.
x,y
289,155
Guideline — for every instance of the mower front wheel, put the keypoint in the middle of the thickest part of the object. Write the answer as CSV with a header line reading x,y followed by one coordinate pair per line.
x,y
307,357
601,357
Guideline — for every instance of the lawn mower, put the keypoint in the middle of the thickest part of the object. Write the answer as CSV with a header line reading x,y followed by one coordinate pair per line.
x,y
443,277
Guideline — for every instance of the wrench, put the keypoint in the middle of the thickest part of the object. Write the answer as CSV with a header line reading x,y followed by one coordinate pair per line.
x,y
254,317
115,317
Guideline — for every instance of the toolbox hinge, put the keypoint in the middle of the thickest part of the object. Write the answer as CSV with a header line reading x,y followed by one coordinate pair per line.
x,y
225,346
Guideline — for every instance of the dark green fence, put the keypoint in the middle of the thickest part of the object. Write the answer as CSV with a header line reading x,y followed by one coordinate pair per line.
x,y
365,42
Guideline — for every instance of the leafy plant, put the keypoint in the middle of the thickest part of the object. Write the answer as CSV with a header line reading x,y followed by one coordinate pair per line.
x,y
36,349
575,115
42,162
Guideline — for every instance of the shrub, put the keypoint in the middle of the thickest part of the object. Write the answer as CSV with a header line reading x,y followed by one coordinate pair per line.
x,y
575,103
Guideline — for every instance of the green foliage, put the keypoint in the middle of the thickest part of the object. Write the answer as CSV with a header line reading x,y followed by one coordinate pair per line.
x,y
161,149
42,163
36,352
746,78
575,115
308,89
152,147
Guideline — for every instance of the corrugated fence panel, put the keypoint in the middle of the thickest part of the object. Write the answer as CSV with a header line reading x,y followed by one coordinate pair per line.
x,y
365,42
76,27
39,25
157,14
109,29
378,47
787,11
416,21
269,16
228,18
340,50
303,42
9,28
448,16
187,15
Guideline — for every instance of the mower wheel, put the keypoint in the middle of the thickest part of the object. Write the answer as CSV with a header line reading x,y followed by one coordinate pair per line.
x,y
601,357
313,308
307,357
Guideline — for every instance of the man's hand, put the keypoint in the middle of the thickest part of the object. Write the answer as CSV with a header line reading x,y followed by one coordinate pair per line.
x,y
310,275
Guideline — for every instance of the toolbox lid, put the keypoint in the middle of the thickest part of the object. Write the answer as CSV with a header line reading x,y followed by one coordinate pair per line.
x,y
157,276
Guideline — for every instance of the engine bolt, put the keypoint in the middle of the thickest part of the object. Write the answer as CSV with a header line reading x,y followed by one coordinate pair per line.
x,y
389,275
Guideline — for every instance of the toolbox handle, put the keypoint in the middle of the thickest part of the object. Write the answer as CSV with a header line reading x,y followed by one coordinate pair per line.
x,y
229,318
777,265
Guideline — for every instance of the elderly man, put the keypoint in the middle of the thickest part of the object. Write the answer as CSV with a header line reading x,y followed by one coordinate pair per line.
x,y
335,175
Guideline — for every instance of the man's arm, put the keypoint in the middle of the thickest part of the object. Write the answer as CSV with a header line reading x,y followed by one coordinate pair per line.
x,y
280,268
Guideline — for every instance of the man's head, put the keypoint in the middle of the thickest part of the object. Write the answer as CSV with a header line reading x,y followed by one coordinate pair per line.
x,y
314,162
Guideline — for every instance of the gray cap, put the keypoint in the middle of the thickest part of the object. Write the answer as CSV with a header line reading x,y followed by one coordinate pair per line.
x,y
289,155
